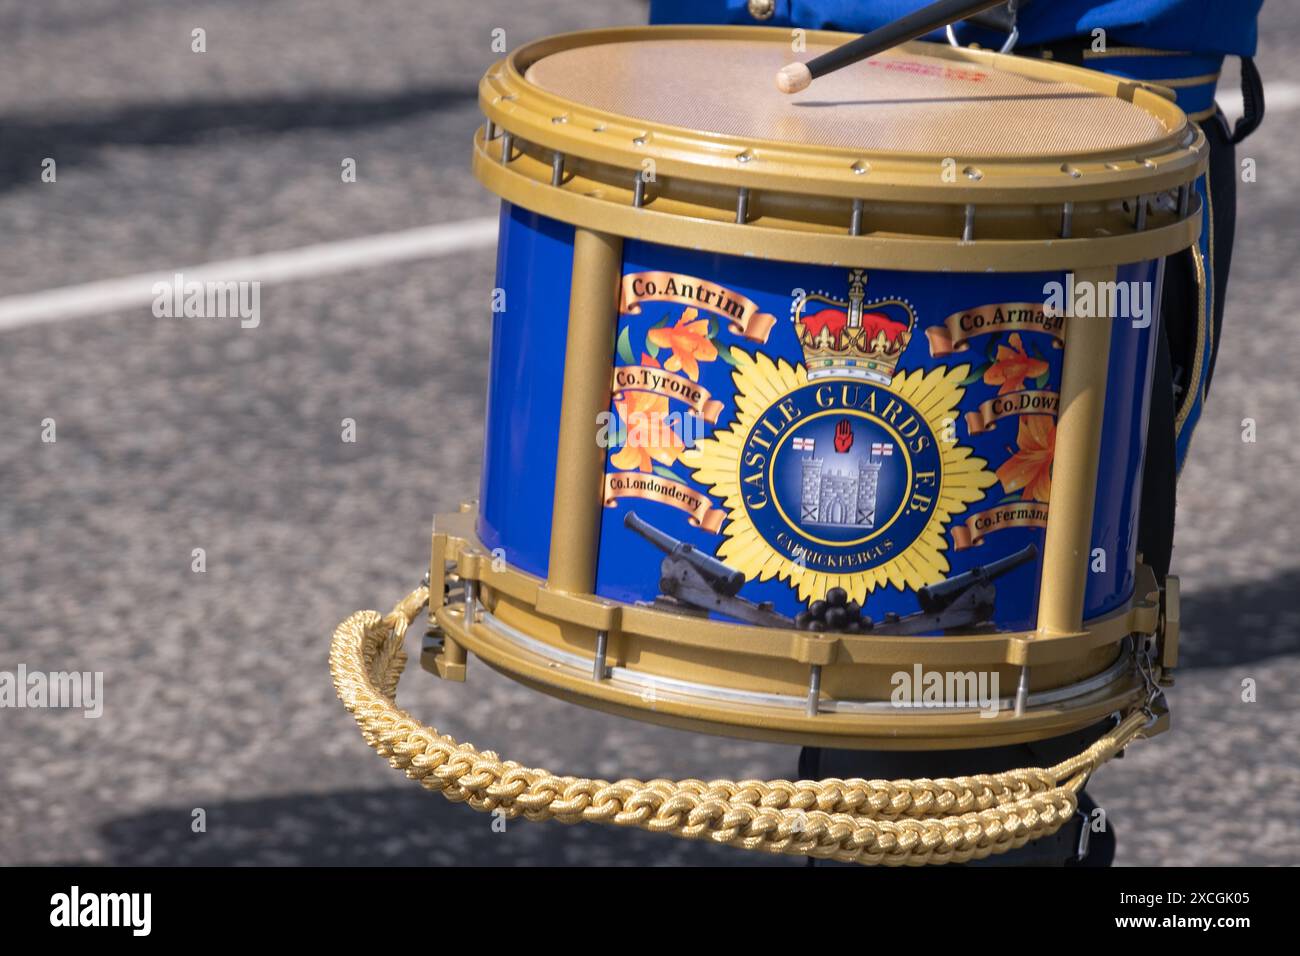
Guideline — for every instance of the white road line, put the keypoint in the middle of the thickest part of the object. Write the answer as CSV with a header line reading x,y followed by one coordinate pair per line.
x,y
332,258
328,258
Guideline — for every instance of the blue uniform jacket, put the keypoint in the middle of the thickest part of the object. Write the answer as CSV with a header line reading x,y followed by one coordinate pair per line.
x,y
1180,44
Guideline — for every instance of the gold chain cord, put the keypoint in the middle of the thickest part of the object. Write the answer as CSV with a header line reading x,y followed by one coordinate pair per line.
x,y
873,822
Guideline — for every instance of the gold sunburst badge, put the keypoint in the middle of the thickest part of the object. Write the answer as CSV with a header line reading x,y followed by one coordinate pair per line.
x,y
840,482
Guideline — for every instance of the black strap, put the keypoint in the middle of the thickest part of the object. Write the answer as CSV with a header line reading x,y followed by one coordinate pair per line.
x,y
1252,99
1252,84
1160,473
1222,180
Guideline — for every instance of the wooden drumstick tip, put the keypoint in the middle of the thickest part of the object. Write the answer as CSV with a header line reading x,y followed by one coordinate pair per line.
x,y
793,77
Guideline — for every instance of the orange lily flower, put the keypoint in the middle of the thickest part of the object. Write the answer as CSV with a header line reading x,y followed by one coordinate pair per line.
x,y
1030,467
650,437
1012,366
689,341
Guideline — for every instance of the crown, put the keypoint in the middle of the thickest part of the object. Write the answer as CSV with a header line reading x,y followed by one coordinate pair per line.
x,y
855,338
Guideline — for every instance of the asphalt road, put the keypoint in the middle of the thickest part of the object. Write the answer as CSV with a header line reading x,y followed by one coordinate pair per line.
x,y
176,434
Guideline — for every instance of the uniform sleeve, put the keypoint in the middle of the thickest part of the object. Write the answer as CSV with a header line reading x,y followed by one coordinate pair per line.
x,y
1224,27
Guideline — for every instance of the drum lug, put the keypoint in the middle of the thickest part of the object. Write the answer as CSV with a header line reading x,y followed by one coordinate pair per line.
x,y
599,668
440,654
1022,692
1168,631
968,223
855,220
814,689
438,578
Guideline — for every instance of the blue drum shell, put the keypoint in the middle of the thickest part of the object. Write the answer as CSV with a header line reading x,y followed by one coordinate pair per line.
x,y
926,457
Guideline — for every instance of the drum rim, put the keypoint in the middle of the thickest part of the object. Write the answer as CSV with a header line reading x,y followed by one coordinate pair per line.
x,y
516,105
804,204
456,546
1110,691
590,209
721,693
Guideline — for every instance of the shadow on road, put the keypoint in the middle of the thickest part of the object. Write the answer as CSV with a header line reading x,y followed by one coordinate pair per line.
x,y
25,141
405,826
1242,623
408,826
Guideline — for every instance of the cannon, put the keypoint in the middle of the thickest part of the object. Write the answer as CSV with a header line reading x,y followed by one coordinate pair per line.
x,y
935,598
962,601
720,577
693,582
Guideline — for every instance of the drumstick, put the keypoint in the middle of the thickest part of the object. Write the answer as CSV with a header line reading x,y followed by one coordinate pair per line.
x,y
796,76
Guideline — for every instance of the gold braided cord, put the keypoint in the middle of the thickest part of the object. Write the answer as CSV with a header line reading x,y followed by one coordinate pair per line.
x,y
894,823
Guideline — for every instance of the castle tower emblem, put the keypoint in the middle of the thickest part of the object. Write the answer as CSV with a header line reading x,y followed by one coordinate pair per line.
x,y
852,337
842,496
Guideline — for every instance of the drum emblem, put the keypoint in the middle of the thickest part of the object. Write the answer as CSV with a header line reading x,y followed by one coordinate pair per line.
x,y
853,338
842,471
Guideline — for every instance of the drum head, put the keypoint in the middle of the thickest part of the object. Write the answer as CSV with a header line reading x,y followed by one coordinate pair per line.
x,y
902,101
974,154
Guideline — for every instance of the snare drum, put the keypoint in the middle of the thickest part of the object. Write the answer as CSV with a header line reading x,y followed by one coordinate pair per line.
x,y
794,401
